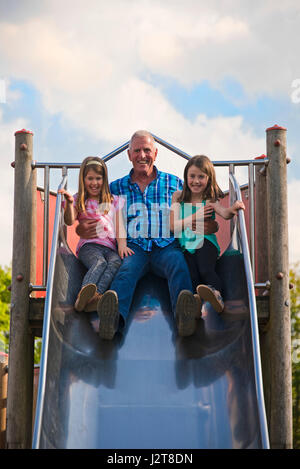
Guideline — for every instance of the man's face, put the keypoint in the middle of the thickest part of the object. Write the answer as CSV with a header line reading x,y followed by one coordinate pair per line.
x,y
142,154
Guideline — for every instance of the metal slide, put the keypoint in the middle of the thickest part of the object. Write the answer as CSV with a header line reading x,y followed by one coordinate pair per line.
x,y
150,388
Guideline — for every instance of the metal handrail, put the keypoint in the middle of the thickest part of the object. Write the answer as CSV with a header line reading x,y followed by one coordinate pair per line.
x,y
253,318
47,317
109,156
169,146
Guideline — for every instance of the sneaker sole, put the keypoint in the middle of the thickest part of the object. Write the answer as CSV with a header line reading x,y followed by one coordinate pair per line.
x,y
208,295
88,291
108,312
186,310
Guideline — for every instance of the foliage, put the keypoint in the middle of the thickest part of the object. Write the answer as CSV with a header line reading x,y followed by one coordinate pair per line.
x,y
5,281
295,321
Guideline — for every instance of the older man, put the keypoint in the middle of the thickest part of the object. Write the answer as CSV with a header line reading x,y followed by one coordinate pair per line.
x,y
148,194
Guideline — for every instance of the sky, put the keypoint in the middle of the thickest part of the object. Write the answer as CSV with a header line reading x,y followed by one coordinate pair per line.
x,y
207,77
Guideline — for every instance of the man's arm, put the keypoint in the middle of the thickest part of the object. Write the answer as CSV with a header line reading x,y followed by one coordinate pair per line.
x,y
86,229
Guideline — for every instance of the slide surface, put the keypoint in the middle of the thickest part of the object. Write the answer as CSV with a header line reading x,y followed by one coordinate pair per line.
x,y
148,388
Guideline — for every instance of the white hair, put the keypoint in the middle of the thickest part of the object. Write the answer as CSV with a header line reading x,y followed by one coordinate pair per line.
x,y
142,133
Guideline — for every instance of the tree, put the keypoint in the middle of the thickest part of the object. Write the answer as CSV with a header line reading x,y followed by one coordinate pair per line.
x,y
5,281
295,326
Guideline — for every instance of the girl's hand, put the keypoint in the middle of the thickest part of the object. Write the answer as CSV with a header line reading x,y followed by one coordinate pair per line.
x,y
69,198
201,217
238,205
125,251
208,210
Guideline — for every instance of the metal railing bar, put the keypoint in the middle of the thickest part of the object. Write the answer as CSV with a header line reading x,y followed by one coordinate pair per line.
x,y
266,285
46,223
46,322
36,287
231,195
40,164
251,217
115,152
167,145
254,322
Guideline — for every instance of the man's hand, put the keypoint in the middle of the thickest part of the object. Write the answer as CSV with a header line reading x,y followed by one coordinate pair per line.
x,y
206,225
87,229
210,226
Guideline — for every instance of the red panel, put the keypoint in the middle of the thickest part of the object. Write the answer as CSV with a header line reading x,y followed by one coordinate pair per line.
x,y
223,234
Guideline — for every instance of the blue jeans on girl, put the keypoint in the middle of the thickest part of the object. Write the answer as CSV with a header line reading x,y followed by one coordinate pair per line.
x,y
102,263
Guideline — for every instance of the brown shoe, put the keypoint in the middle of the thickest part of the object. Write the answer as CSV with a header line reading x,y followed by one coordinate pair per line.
x,y
108,311
199,306
85,294
211,295
93,303
186,310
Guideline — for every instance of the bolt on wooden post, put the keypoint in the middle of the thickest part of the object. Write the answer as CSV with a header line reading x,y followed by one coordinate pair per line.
x,y
279,329
21,347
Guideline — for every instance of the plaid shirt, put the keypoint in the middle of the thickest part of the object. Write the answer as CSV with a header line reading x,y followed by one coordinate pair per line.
x,y
148,212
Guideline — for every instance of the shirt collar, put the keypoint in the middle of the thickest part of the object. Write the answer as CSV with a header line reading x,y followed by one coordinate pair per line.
x,y
131,173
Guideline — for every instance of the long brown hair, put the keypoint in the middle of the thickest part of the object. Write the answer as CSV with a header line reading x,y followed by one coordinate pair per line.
x,y
96,164
212,190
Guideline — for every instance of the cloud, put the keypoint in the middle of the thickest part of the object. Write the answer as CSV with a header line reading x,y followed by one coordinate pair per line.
x,y
91,65
193,41
7,131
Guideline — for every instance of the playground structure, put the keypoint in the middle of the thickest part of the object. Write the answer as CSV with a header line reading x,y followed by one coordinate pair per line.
x,y
267,210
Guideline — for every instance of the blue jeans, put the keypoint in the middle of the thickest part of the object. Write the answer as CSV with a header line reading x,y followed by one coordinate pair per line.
x,y
102,263
167,262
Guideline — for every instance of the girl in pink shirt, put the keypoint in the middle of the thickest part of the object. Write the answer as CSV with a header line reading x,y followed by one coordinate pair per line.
x,y
102,255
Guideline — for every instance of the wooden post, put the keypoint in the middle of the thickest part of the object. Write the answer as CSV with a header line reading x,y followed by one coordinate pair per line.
x,y
3,399
279,330
21,347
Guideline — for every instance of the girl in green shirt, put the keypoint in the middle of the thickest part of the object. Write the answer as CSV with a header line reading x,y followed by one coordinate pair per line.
x,y
199,199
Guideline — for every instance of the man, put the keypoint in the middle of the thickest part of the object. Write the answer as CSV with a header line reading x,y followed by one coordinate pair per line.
x,y
148,194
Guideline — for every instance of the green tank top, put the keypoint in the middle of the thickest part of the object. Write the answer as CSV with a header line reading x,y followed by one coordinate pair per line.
x,y
190,241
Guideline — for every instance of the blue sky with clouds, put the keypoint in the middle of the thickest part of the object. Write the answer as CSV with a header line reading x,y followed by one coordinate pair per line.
x,y
208,77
